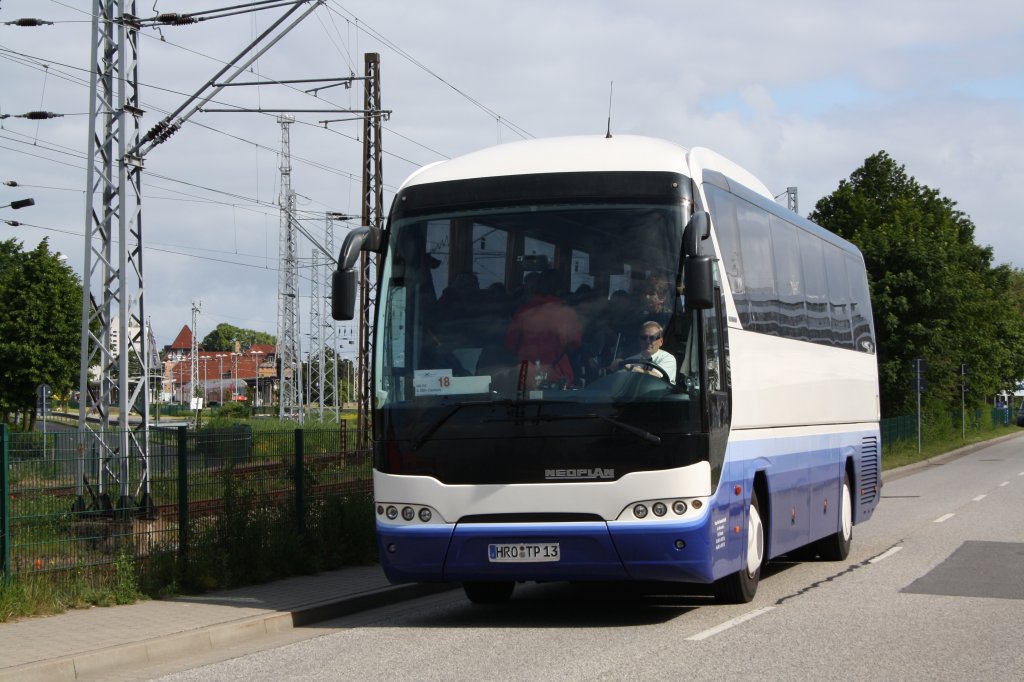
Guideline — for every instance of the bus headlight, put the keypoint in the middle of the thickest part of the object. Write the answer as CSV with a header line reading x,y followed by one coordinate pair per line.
x,y
659,509
403,514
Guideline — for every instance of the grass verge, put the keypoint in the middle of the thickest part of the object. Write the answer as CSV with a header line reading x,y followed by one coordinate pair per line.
x,y
905,452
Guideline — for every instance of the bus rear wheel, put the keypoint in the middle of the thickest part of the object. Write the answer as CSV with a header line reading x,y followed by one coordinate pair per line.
x,y
489,592
740,587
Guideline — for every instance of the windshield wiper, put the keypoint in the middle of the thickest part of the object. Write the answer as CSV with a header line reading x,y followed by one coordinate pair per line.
x,y
440,421
628,428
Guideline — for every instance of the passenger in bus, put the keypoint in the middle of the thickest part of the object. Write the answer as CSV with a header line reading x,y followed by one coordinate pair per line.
x,y
656,302
651,357
465,289
545,332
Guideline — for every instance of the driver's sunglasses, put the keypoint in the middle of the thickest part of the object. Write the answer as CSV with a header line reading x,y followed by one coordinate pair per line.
x,y
649,339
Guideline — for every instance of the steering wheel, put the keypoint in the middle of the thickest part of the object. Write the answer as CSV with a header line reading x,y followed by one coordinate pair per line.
x,y
647,364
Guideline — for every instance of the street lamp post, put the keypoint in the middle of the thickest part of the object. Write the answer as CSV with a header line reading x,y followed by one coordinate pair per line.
x,y
220,379
14,206
20,203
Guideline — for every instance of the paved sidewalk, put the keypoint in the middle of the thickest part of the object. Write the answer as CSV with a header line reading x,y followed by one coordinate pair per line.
x,y
87,642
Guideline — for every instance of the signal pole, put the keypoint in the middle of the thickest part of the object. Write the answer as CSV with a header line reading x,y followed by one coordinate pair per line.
x,y
372,216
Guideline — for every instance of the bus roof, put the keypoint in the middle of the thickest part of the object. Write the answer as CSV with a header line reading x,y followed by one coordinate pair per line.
x,y
591,153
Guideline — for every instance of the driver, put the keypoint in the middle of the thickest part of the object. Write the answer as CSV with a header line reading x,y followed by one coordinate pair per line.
x,y
652,336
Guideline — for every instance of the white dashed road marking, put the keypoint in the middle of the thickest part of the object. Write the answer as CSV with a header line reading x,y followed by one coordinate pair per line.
x,y
711,632
885,555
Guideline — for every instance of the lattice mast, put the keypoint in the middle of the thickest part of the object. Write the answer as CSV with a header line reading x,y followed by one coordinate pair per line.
x,y
114,368
288,351
113,332
315,362
372,216
330,391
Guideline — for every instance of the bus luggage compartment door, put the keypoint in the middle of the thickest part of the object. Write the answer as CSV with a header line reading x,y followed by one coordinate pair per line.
x,y
533,551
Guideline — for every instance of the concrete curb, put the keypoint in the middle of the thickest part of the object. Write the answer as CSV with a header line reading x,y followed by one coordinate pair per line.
x,y
212,637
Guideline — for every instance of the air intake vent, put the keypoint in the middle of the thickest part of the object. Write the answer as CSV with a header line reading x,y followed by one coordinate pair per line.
x,y
870,467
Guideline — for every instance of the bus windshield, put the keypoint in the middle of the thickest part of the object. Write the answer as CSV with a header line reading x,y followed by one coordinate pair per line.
x,y
560,303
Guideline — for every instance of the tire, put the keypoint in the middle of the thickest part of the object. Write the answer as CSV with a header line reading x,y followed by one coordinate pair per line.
x,y
836,547
489,592
740,587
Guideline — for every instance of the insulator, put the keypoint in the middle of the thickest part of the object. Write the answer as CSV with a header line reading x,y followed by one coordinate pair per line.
x,y
40,115
175,19
29,22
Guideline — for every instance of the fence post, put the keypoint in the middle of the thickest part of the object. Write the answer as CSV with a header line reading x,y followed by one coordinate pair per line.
x,y
5,509
183,495
300,481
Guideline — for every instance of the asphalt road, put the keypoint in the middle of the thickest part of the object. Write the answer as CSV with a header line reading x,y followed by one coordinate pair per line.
x,y
933,590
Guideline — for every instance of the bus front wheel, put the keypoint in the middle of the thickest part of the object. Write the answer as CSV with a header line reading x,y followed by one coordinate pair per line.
x,y
489,592
740,587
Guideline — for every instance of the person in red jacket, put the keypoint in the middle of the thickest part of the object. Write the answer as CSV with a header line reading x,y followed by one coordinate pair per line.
x,y
544,333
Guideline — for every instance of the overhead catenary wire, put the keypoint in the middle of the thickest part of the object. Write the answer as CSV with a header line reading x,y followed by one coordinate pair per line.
x,y
363,26
44,66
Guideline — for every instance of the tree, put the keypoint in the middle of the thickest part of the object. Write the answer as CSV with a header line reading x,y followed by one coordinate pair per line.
x,y
40,327
934,292
223,338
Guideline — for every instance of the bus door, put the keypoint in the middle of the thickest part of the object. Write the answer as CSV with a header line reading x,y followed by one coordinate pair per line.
x,y
715,379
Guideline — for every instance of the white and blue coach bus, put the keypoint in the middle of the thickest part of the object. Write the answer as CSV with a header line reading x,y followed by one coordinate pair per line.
x,y
493,467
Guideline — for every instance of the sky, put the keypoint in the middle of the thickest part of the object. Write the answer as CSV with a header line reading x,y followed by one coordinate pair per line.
x,y
798,92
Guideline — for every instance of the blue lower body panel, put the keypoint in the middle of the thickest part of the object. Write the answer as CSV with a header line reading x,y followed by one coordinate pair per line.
x,y
587,551
672,552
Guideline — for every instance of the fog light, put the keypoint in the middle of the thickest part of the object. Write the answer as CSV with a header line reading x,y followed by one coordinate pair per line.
x,y
392,549
425,515
659,508
408,514
640,511
679,507
392,512
697,504
680,544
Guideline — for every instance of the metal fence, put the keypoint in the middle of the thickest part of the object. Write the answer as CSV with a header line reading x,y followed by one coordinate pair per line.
x,y
65,512
904,428
221,506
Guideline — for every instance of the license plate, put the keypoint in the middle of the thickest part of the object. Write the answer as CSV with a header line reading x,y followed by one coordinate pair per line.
x,y
523,552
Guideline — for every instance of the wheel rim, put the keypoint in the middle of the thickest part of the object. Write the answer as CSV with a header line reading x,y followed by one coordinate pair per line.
x,y
755,541
847,513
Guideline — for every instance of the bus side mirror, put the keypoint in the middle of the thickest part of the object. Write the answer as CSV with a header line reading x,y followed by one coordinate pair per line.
x,y
697,230
343,294
344,279
698,282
